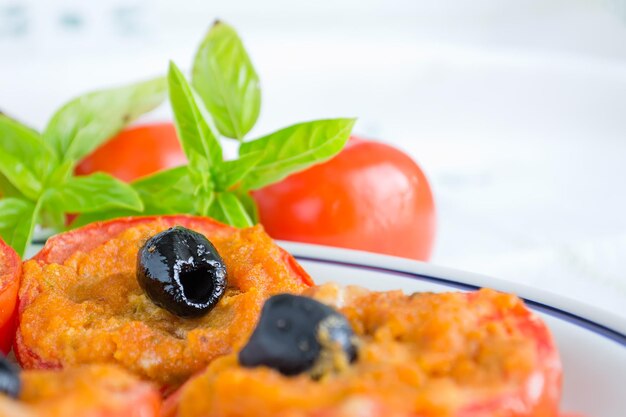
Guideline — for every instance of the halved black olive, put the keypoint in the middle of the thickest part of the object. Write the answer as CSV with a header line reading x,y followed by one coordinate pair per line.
x,y
10,383
181,271
297,334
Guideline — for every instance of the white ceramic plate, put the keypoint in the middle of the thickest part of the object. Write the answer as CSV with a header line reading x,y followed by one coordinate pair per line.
x,y
592,343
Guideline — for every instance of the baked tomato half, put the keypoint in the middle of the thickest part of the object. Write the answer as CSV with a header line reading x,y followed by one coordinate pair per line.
x,y
136,152
85,391
479,354
10,271
371,196
81,300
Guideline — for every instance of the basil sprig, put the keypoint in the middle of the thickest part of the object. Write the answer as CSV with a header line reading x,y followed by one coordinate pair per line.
x,y
224,78
222,100
220,188
37,185
211,186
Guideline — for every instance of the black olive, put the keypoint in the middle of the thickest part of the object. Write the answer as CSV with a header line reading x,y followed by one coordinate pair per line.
x,y
9,378
182,272
295,333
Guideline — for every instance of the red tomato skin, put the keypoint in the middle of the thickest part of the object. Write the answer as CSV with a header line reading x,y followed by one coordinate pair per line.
x,y
136,152
10,273
371,197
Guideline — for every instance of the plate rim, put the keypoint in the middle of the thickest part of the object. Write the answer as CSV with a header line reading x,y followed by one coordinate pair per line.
x,y
601,322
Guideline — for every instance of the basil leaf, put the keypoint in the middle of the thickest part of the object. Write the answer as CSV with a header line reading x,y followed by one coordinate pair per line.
x,y
96,216
16,171
233,171
7,189
295,148
24,158
17,222
52,214
250,205
26,145
95,192
228,209
203,200
166,192
194,132
61,174
225,78
84,123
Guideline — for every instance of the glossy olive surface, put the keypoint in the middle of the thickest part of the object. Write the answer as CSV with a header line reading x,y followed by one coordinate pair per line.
x,y
288,337
181,271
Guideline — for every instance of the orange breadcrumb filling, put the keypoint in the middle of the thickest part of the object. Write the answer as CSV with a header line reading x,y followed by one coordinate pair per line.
x,y
425,354
90,309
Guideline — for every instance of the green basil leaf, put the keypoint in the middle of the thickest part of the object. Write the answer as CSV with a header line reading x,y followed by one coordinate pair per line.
x,y
250,205
7,189
166,192
233,171
228,209
84,123
17,222
27,145
203,201
199,171
16,171
95,192
97,216
52,214
61,174
24,158
194,132
295,148
225,78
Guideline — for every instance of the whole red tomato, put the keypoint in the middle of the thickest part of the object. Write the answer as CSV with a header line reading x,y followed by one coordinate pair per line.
x,y
371,196
136,152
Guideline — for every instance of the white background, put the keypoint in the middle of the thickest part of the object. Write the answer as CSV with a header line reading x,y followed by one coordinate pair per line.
x,y
515,109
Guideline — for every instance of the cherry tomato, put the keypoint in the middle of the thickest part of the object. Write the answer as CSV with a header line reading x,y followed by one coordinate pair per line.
x,y
136,152
371,197
10,271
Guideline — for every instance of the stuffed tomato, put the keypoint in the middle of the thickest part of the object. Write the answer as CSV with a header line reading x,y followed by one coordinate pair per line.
x,y
85,391
83,298
480,354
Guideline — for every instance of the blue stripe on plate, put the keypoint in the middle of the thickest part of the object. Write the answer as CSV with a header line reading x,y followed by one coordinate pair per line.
x,y
572,318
